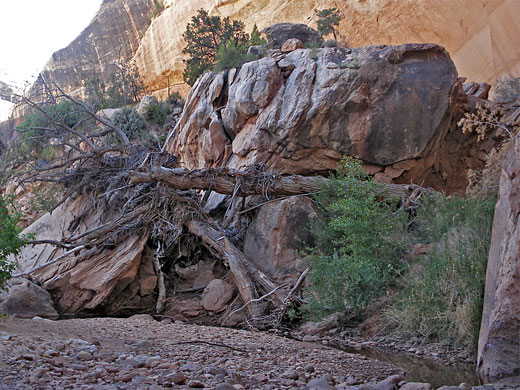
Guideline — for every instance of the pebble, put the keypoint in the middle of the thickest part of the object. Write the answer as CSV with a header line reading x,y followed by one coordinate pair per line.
x,y
318,384
195,385
84,355
179,378
225,386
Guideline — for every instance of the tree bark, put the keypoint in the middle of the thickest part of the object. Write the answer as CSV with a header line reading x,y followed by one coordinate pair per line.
x,y
246,183
218,241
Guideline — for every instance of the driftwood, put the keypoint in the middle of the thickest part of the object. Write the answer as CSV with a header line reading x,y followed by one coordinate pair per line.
x,y
247,182
218,241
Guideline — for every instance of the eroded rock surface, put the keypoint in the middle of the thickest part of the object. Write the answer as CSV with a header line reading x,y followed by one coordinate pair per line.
x,y
481,37
301,112
279,33
112,36
277,234
499,342
108,280
24,299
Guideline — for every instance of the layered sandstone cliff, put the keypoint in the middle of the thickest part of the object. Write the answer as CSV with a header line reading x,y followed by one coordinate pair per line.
x,y
481,36
112,36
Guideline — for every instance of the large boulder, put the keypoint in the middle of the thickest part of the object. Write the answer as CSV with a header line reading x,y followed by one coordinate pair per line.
x,y
24,299
97,280
277,234
499,341
279,33
216,295
145,102
300,113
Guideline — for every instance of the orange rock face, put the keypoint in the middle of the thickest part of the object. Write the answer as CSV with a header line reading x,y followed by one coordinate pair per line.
x,y
481,36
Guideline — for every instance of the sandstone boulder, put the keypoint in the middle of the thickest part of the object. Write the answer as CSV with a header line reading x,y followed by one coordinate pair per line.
x,y
499,341
108,113
385,104
277,233
145,102
98,279
24,299
279,33
330,322
291,45
216,295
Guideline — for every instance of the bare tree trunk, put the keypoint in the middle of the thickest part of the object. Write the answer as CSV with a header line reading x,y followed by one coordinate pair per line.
x,y
246,183
218,241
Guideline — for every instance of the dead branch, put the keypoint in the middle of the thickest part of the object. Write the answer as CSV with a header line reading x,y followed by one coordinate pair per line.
x,y
161,299
64,255
257,299
218,241
211,344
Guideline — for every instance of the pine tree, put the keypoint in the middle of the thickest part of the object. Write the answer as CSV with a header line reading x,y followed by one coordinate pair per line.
x,y
256,38
328,19
204,35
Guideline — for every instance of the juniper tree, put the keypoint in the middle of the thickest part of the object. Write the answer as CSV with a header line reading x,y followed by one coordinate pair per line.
x,y
328,19
204,35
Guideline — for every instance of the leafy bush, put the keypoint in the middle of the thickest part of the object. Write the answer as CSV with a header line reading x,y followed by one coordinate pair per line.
x,y
157,112
10,240
39,129
65,112
330,43
359,244
231,56
130,122
441,297
174,97
122,87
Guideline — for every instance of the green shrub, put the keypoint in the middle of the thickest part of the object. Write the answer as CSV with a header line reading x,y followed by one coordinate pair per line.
x,y
10,240
359,244
441,297
157,112
130,122
39,128
231,56
174,97
330,43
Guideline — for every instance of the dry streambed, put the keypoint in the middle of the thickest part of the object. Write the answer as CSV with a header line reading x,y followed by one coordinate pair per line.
x,y
139,353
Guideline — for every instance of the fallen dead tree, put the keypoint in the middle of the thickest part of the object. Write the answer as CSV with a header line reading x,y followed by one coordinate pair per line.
x,y
250,181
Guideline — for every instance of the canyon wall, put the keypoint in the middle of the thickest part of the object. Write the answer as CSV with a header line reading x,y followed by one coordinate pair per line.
x,y
481,36
112,35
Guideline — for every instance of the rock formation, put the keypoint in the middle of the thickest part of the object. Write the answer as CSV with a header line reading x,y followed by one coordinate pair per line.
x,y
499,342
301,112
25,299
114,278
481,37
113,35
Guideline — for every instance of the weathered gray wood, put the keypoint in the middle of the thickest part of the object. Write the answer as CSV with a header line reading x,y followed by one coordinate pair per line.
x,y
246,183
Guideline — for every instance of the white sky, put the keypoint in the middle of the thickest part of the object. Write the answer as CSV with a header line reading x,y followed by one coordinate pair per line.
x,y
31,30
